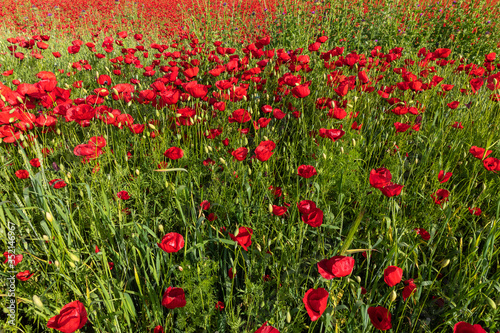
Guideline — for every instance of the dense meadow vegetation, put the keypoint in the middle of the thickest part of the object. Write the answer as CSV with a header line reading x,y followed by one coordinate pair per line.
x,y
250,166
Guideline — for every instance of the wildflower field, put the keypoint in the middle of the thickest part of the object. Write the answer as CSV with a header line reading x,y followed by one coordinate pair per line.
x,y
250,166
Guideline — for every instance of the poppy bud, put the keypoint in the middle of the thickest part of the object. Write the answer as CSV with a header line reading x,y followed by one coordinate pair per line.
x,y
20,100
223,161
72,264
270,208
259,248
250,171
209,148
152,126
324,156
180,268
58,131
49,217
265,138
37,301
354,142
445,263
160,228
3,98
11,120
342,150
45,238
73,257
206,149
288,317
416,160
115,91
491,303
393,295
68,175
57,263
358,278
245,141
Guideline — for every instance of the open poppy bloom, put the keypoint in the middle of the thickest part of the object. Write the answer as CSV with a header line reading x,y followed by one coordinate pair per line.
x,y
72,317
315,301
380,318
336,267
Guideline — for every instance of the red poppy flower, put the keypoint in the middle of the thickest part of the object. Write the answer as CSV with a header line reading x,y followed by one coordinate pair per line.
x,y
24,276
158,329
57,183
391,190
475,211
453,105
219,306
315,301
35,162
306,171
15,259
336,267
205,205
174,153
279,211
244,237
264,150
301,91
240,154
314,218
231,273
72,317
409,289
266,329
443,178
380,177
393,275
479,153
123,195
440,196
22,174
306,206
171,242
380,318
173,298
241,116
423,233
463,327
491,164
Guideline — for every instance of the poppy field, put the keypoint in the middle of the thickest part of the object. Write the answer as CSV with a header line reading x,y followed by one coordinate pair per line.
x,y
250,166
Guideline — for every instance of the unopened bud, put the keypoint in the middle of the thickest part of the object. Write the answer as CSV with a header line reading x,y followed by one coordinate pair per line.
x,y
37,301
342,150
45,238
3,98
160,227
393,295
445,263
152,126
288,317
73,257
491,303
358,278
20,100
223,161
57,263
137,172
270,208
180,268
354,142
49,217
